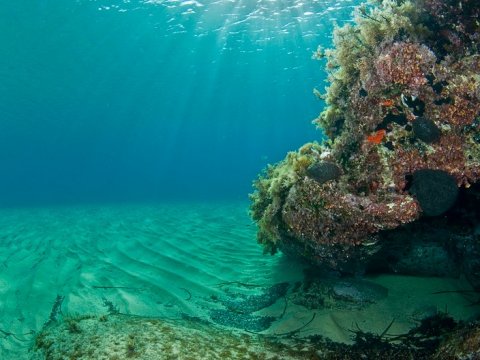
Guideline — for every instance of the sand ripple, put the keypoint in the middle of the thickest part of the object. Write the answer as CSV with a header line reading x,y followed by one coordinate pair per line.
x,y
172,261
160,260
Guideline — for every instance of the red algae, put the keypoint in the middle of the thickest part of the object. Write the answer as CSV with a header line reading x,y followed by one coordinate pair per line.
x,y
377,137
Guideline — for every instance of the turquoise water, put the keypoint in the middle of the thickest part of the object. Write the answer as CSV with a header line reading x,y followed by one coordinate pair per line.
x,y
108,104
130,133
157,260
147,100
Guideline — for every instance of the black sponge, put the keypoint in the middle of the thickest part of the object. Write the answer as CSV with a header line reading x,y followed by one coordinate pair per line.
x,y
426,130
435,190
323,172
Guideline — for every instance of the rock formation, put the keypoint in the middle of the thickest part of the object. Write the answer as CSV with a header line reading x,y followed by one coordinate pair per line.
x,y
402,118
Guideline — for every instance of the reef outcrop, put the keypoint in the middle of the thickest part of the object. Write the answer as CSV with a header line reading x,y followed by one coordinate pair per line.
x,y
402,157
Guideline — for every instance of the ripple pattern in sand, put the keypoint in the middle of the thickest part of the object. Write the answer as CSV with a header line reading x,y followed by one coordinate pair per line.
x,y
152,260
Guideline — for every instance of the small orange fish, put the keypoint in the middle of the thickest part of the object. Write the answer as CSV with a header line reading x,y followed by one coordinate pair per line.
x,y
387,102
377,137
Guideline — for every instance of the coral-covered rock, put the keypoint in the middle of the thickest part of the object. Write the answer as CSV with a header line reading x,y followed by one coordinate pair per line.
x,y
403,121
404,63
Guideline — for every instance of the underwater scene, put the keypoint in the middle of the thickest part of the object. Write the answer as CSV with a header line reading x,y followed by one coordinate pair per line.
x,y
236,179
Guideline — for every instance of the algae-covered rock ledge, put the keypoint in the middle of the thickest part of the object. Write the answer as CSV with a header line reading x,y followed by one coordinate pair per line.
x,y
115,337
402,158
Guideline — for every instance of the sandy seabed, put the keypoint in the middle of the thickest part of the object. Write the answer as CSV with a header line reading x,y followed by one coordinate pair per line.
x,y
172,261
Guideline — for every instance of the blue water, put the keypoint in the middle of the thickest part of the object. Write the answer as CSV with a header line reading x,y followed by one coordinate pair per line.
x,y
107,101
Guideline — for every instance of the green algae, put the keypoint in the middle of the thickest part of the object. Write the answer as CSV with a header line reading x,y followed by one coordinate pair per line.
x,y
272,188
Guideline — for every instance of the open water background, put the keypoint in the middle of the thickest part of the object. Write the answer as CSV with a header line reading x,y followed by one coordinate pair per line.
x,y
121,101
